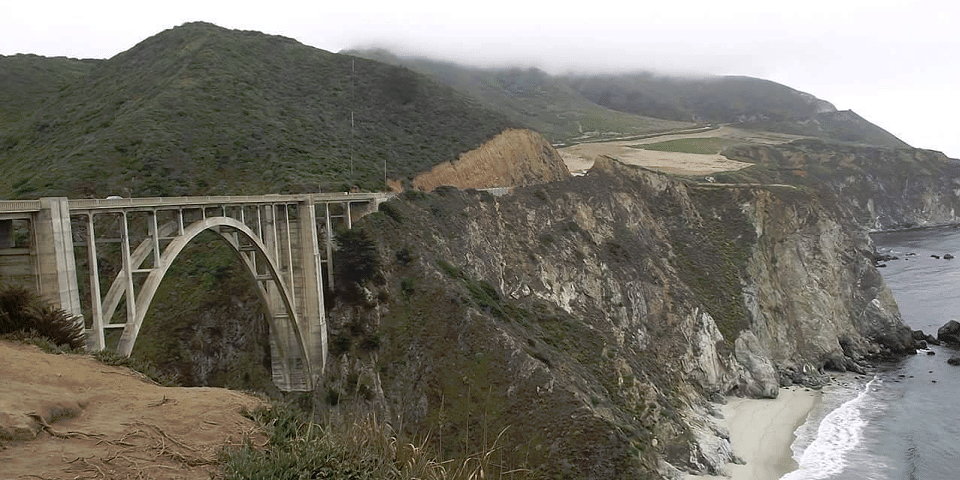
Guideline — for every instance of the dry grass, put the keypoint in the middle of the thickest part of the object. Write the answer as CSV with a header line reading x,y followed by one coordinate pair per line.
x,y
354,445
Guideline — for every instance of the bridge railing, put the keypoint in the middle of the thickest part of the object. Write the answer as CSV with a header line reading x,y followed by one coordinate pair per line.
x,y
180,202
10,206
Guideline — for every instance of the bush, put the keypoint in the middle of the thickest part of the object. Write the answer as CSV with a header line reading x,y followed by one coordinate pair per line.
x,y
354,444
356,257
148,369
23,311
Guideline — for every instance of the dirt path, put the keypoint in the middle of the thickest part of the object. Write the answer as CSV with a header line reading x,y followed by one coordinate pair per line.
x,y
69,416
580,157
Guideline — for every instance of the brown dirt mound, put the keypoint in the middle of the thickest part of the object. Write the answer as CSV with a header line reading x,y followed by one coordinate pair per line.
x,y
513,158
69,416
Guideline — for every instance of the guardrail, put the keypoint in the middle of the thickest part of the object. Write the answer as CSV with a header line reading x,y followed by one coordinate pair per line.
x,y
19,206
31,206
176,202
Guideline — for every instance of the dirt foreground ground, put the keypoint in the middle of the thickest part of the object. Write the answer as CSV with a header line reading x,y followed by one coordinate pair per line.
x,y
580,157
69,416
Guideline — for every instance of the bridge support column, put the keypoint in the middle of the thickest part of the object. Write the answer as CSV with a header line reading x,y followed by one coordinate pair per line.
x,y
312,312
55,260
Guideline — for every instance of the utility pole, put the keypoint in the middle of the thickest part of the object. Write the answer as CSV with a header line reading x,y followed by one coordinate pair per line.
x,y
353,101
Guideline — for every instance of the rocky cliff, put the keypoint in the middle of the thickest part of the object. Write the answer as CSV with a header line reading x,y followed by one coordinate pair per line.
x,y
883,188
515,157
586,323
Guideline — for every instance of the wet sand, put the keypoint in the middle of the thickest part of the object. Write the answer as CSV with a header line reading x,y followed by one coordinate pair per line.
x,y
761,432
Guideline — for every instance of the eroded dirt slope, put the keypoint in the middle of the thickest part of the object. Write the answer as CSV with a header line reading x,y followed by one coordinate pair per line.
x,y
513,158
69,416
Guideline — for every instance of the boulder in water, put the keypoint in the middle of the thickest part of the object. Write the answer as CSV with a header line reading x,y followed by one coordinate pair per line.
x,y
949,333
954,360
947,256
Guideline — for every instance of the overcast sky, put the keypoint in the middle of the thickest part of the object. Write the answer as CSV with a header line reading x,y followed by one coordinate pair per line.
x,y
894,62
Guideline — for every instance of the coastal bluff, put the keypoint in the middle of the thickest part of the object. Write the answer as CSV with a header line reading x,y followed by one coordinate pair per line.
x,y
591,321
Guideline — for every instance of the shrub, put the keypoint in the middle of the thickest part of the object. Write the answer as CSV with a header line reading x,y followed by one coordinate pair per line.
x,y
148,369
391,210
356,257
352,444
23,311
405,256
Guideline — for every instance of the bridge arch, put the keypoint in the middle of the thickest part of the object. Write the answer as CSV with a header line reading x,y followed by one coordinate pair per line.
x,y
232,226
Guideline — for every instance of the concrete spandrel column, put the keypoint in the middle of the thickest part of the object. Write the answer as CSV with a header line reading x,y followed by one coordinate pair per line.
x,y
312,314
55,257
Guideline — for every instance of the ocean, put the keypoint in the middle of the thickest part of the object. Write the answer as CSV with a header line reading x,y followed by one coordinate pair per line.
x,y
901,421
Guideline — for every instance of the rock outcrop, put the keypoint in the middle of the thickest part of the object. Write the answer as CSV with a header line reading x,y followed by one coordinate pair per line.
x,y
589,320
513,158
949,333
882,188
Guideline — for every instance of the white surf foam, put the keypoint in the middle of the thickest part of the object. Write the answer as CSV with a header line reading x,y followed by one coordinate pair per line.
x,y
839,433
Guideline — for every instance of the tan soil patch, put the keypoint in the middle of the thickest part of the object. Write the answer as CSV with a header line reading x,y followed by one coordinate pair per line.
x,y
513,158
580,157
69,416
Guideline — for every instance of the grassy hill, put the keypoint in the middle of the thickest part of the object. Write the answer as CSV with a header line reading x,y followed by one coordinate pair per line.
x,y
581,107
27,80
533,98
200,109
750,103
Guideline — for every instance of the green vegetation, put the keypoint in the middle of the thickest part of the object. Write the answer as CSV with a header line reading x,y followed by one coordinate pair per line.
x,y
816,164
843,126
24,313
200,109
354,446
574,108
147,368
711,257
533,98
356,257
207,312
718,99
484,296
747,102
705,146
27,80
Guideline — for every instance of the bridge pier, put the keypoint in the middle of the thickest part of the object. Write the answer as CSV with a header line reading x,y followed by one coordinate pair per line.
x,y
53,246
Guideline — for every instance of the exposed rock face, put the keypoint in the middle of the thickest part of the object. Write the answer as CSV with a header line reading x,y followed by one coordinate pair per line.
x,y
513,158
949,333
592,318
882,188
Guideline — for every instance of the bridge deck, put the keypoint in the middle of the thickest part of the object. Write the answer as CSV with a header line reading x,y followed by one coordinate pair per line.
x,y
10,209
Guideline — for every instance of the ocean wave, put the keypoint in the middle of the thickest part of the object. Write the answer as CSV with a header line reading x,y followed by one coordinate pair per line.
x,y
839,433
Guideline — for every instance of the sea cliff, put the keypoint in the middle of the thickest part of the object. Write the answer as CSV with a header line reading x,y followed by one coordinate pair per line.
x,y
882,188
589,322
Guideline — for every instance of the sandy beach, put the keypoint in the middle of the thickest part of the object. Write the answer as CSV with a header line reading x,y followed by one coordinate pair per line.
x,y
761,432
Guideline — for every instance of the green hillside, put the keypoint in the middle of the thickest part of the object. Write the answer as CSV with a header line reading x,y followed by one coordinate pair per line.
x,y
750,103
200,109
533,98
27,80
587,107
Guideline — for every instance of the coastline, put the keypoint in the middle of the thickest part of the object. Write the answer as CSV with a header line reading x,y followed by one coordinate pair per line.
x,y
762,432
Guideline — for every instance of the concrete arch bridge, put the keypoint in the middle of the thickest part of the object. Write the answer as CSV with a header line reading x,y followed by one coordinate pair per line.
x,y
285,242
